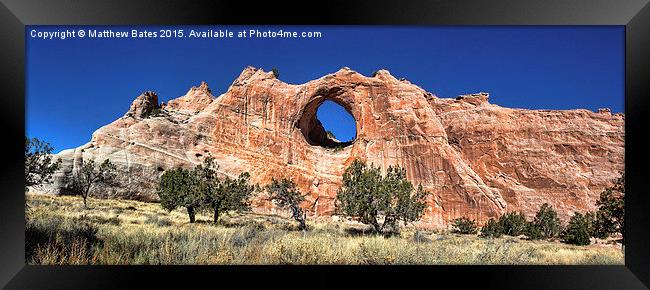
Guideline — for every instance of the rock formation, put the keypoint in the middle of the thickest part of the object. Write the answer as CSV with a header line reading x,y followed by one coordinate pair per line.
x,y
478,159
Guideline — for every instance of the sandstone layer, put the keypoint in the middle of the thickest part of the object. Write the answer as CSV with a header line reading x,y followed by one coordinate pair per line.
x,y
478,159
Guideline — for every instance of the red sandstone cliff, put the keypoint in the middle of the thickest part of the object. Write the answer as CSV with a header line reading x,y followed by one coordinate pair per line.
x,y
478,159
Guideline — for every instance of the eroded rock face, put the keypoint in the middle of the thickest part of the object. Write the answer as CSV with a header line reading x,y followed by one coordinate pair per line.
x,y
479,160
143,106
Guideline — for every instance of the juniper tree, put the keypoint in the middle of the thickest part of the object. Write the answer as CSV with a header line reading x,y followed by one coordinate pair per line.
x,y
285,195
405,204
577,231
491,229
533,232
545,225
238,192
513,223
610,217
39,165
204,187
592,222
89,175
200,188
178,187
463,225
367,196
361,195
223,195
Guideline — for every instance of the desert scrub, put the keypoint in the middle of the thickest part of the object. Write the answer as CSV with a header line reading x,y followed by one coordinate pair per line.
x,y
158,220
60,231
111,220
463,225
297,248
157,246
56,240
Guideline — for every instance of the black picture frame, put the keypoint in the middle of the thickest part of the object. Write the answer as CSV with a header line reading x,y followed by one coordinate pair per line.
x,y
634,15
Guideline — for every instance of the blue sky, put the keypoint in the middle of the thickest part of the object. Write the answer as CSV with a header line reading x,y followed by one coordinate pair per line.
x,y
75,86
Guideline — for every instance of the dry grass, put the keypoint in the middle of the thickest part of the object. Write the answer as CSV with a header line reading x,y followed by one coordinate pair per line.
x,y
61,231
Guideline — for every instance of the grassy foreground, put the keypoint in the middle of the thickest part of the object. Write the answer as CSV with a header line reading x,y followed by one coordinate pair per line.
x,y
60,231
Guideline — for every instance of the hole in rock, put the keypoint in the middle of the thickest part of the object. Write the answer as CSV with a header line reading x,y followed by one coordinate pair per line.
x,y
328,124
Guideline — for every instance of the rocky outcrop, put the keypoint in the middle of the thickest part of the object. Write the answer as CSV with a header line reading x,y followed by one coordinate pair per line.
x,y
479,160
196,99
564,158
143,106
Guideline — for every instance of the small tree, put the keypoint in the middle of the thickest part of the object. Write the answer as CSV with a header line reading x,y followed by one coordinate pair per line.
x,y
533,231
546,224
513,223
611,210
577,231
200,188
285,194
361,195
600,226
205,188
90,175
276,73
231,194
367,195
39,165
492,229
592,222
179,188
409,206
464,225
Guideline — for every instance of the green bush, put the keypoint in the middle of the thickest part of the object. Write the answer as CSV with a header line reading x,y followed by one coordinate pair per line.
x,y
177,188
367,195
200,189
546,224
610,217
464,225
224,195
492,229
39,165
592,223
285,194
577,231
533,231
513,224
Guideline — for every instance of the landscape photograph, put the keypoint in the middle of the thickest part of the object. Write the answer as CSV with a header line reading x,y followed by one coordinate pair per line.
x,y
324,145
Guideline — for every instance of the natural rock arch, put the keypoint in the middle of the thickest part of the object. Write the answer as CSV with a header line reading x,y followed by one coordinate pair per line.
x,y
475,157
312,129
